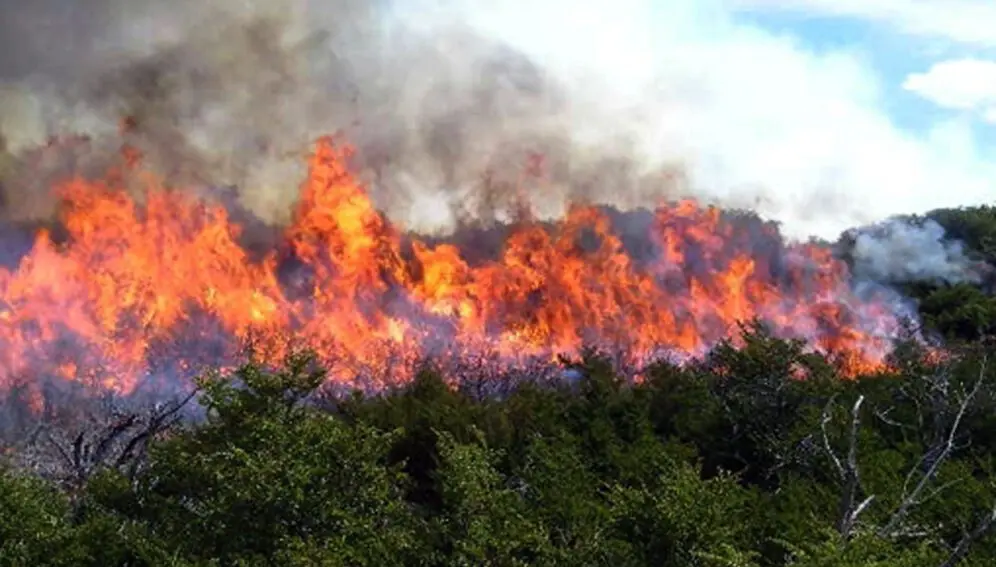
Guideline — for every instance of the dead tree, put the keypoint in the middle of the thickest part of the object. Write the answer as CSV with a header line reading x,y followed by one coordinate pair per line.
x,y
932,459
948,416
72,459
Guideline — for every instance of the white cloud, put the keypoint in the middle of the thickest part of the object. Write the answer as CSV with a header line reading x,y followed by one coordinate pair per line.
x,y
967,84
756,116
968,22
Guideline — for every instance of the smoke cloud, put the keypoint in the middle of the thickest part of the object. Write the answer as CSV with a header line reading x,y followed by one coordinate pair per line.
x,y
900,250
445,119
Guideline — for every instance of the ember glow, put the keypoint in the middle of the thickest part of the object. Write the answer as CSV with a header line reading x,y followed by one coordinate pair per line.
x,y
159,286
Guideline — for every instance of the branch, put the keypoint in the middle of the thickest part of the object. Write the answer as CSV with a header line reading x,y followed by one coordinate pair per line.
x,y
965,543
940,454
161,421
120,445
883,415
849,508
826,438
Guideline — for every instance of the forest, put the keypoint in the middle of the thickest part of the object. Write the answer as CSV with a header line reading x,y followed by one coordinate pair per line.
x,y
760,454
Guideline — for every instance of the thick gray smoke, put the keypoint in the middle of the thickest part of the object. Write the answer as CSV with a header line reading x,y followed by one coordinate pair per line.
x,y
230,93
900,250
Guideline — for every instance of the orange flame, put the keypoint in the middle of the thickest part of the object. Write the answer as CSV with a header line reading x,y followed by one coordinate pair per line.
x,y
162,286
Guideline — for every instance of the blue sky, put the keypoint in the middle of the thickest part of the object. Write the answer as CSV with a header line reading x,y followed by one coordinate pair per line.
x,y
894,55
884,50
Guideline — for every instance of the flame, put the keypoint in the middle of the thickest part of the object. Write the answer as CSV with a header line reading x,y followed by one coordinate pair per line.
x,y
158,285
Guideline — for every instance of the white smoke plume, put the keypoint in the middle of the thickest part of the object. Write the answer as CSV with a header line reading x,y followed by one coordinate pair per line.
x,y
902,250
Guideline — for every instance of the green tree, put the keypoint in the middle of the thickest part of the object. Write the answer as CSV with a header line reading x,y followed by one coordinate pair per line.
x,y
267,476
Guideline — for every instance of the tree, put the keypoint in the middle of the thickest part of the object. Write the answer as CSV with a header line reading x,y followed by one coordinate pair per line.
x,y
269,476
950,398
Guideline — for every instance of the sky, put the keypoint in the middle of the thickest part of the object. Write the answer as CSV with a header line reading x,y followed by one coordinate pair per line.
x,y
820,113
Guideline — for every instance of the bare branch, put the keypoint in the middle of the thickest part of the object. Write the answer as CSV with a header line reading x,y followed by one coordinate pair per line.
x,y
120,445
849,508
961,550
883,416
826,437
938,454
161,420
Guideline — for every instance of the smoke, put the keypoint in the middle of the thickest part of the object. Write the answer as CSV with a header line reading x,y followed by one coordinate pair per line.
x,y
445,119
901,250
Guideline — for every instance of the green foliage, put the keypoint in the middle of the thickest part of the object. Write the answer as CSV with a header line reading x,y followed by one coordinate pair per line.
x,y
266,473
32,520
973,226
863,550
959,311
36,529
483,521
738,461
677,517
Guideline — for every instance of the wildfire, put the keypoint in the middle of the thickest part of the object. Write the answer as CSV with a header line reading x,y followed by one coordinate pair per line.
x,y
158,286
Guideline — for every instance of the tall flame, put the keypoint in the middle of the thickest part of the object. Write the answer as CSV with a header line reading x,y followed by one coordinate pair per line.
x,y
160,285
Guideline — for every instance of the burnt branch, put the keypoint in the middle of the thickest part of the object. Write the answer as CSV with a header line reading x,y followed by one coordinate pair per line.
x,y
121,445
